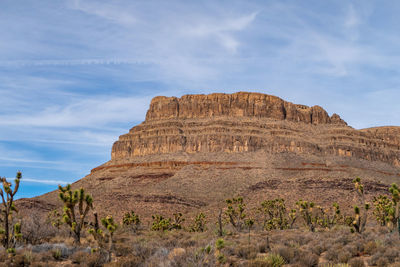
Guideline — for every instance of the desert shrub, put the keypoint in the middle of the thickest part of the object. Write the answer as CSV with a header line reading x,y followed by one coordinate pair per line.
x,y
378,260
259,262
221,258
352,249
356,262
130,261
160,255
262,247
21,258
44,256
302,238
332,253
219,244
287,253
79,257
344,256
57,254
194,257
370,247
95,259
391,254
382,261
245,251
143,251
274,260
36,229
308,259
318,248
122,249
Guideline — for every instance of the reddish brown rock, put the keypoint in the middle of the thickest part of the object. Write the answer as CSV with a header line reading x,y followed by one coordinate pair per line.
x,y
193,152
235,105
249,122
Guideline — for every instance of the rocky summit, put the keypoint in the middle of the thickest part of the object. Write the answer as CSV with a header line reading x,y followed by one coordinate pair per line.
x,y
193,152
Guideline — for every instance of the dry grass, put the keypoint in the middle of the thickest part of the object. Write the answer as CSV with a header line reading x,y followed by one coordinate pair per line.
x,y
295,247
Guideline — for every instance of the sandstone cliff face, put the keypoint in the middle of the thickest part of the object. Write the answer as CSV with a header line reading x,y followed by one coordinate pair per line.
x,y
248,122
236,105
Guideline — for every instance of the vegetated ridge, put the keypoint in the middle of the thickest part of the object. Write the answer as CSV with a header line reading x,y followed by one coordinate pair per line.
x,y
192,153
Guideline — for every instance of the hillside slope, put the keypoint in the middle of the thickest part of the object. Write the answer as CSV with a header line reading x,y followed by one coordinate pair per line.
x,y
193,152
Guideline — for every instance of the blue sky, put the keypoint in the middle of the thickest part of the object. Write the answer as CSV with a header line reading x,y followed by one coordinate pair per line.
x,y
76,74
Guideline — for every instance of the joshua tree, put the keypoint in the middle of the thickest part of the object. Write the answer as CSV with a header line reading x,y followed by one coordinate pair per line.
x,y
177,221
276,215
220,230
199,224
132,220
306,210
235,212
9,233
360,218
394,190
384,210
160,223
330,217
249,224
76,206
104,238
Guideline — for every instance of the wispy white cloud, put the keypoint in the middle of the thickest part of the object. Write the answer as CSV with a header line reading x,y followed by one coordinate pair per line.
x,y
88,113
43,181
108,11
223,30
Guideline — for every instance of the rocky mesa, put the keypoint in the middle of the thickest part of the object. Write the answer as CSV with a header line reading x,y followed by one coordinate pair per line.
x,y
248,122
193,152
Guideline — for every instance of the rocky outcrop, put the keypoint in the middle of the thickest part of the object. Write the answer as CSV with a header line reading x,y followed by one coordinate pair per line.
x,y
236,105
194,152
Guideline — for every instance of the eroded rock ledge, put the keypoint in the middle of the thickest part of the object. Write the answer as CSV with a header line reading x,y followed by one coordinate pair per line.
x,y
235,105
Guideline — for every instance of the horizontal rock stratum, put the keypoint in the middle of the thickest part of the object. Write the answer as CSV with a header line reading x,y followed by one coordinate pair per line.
x,y
193,152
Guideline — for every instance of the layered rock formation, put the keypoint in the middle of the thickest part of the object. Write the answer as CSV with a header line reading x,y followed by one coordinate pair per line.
x,y
248,122
193,152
